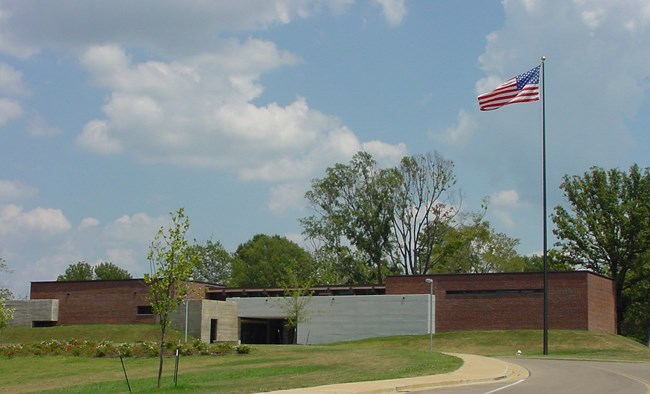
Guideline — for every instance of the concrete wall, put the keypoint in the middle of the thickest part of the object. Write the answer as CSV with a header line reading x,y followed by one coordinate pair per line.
x,y
200,314
28,311
345,318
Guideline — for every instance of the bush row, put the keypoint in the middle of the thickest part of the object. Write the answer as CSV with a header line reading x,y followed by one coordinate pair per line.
x,y
105,348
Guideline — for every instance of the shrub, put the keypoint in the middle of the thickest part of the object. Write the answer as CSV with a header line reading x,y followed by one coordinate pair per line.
x,y
244,349
185,349
109,349
200,347
125,350
221,349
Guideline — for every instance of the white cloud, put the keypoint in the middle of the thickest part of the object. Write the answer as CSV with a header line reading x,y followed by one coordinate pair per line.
x,y
461,133
11,81
95,138
138,228
597,68
383,152
126,258
285,197
505,204
394,10
87,223
11,85
14,190
14,220
38,127
198,112
9,110
65,24
40,244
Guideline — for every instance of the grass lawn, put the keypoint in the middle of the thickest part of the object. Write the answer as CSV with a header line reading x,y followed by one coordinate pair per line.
x,y
267,367
561,344
272,367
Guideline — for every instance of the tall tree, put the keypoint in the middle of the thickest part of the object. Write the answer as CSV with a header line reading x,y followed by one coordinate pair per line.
x,y
214,263
355,201
109,271
636,320
424,209
5,293
78,271
266,261
172,260
102,271
606,227
6,313
555,260
475,247
340,264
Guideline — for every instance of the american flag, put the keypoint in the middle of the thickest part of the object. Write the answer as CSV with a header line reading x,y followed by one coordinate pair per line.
x,y
520,89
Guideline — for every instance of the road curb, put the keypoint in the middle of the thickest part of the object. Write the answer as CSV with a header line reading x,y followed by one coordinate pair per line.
x,y
475,370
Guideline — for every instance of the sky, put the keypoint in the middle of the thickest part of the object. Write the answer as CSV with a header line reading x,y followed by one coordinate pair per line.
x,y
114,114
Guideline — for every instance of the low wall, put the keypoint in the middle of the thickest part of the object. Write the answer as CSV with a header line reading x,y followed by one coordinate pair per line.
x,y
202,314
26,312
346,318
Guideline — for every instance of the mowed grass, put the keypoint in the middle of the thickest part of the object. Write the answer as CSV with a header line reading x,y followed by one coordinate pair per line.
x,y
267,367
561,344
128,333
274,367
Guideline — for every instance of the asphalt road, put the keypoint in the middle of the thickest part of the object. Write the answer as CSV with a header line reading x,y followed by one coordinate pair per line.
x,y
564,376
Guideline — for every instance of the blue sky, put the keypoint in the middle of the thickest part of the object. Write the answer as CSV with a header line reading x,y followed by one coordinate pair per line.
x,y
113,114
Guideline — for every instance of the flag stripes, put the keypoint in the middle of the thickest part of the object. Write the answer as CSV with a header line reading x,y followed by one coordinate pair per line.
x,y
520,89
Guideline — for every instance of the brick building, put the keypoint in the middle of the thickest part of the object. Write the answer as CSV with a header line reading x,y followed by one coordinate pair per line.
x,y
577,300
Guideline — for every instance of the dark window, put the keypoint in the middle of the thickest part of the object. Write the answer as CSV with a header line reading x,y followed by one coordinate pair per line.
x,y
499,291
145,310
46,323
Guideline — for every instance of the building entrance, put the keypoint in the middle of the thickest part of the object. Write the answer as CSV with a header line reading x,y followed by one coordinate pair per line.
x,y
265,331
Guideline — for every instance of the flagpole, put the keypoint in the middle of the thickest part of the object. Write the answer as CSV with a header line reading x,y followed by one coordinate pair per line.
x,y
543,82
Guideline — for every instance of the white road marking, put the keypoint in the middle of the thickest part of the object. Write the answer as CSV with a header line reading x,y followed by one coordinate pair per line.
x,y
505,387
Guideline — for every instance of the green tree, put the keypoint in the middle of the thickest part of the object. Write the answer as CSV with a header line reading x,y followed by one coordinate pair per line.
x,y
424,209
85,271
6,313
475,247
172,260
78,271
214,263
556,261
636,320
5,293
266,261
110,271
354,204
606,228
339,264
297,295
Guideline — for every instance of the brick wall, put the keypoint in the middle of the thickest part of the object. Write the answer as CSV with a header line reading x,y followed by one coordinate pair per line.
x,y
103,301
96,302
514,300
602,304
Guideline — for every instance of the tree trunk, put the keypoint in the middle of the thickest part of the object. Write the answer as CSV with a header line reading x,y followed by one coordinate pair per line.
x,y
160,354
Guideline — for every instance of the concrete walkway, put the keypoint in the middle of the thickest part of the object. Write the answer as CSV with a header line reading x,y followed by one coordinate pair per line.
x,y
475,369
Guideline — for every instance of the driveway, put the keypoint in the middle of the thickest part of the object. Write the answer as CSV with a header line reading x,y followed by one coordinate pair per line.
x,y
566,376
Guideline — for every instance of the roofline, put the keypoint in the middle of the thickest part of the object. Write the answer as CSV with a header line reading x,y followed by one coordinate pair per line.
x,y
583,271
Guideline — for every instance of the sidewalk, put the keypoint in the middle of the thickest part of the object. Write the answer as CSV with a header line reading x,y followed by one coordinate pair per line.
x,y
475,369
